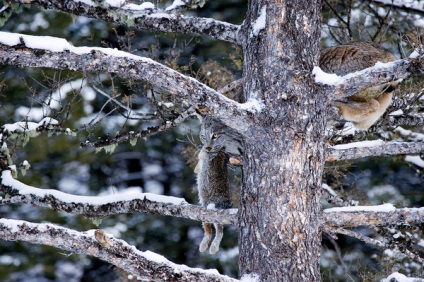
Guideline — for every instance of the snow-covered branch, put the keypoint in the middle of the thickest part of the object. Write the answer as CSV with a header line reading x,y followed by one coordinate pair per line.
x,y
145,16
415,6
383,215
157,204
364,149
32,51
340,87
101,206
147,265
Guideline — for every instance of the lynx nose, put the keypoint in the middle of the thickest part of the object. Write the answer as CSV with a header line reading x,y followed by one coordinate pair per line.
x,y
208,148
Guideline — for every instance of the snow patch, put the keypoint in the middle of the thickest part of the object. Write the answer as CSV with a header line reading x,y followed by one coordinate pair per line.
x,y
326,78
379,208
175,5
399,277
251,277
361,144
253,105
260,22
141,7
416,160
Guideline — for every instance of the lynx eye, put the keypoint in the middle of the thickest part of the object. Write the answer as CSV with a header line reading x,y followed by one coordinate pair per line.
x,y
202,137
214,136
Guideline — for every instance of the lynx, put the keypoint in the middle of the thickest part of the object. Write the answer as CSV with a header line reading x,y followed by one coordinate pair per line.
x,y
219,143
364,108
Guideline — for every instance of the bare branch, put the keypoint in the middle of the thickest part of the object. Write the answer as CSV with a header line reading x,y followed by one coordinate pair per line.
x,y
331,197
349,152
407,120
96,206
149,18
338,217
359,236
145,265
124,65
149,131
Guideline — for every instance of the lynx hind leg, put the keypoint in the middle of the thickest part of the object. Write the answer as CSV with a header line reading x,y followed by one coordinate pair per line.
x,y
207,236
219,233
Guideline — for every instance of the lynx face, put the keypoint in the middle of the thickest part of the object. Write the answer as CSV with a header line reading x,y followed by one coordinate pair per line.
x,y
216,136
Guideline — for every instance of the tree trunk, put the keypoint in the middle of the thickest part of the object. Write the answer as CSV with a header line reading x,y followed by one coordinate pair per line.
x,y
280,238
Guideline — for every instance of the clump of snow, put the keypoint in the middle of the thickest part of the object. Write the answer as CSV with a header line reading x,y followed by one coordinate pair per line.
x,y
251,277
141,7
396,113
253,105
260,22
412,136
87,2
29,126
414,54
326,78
175,5
379,208
361,144
399,277
416,160
114,3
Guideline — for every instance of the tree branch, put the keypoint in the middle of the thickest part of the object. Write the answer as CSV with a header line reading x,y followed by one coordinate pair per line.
x,y
348,217
373,148
97,206
339,87
148,18
359,236
146,265
149,131
32,51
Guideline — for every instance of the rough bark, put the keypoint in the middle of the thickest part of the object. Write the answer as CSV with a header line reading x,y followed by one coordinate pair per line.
x,y
149,19
117,252
279,233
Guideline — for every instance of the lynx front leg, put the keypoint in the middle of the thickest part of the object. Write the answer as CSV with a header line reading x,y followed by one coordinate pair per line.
x,y
219,233
207,236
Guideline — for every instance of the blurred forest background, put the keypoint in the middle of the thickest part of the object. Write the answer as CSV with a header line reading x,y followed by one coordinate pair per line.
x,y
163,163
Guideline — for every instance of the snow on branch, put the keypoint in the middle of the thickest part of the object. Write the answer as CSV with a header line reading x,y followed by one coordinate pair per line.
x,y
383,215
364,149
102,206
414,5
145,16
147,265
43,51
340,87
